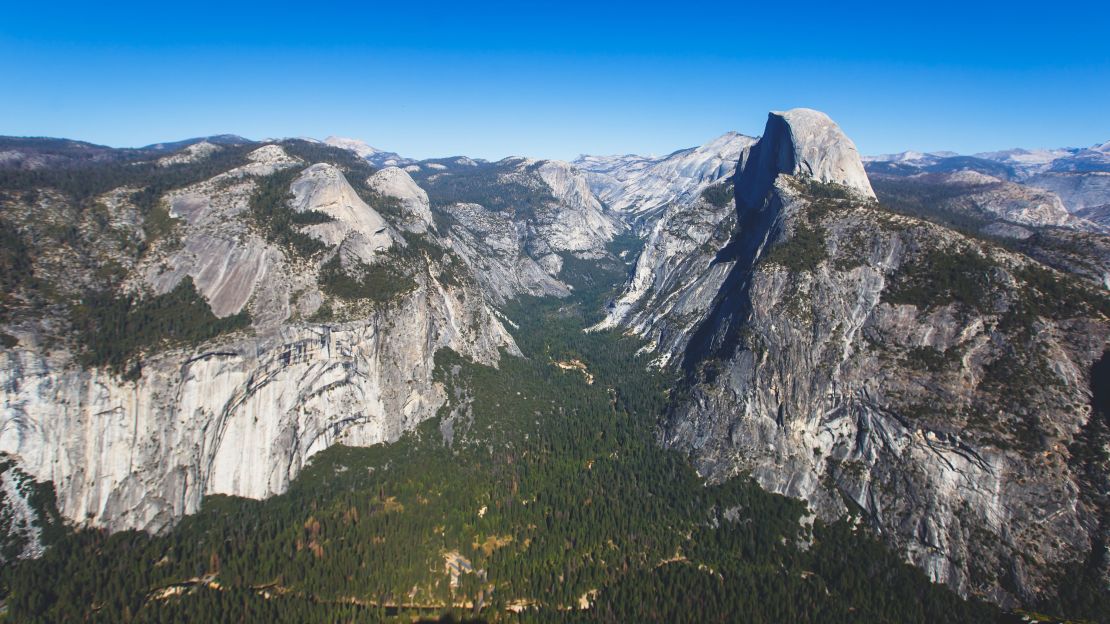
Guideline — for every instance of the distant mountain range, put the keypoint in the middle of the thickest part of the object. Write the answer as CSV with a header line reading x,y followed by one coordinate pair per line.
x,y
1076,180
905,344
1018,163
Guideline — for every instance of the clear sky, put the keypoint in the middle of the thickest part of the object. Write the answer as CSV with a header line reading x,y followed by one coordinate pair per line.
x,y
554,80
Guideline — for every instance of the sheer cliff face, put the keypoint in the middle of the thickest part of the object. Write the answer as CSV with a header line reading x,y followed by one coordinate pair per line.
x,y
800,142
685,260
676,276
240,415
879,365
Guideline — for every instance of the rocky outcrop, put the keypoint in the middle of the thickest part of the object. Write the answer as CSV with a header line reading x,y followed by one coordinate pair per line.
x,y
879,365
217,248
575,222
360,148
982,197
516,221
684,207
1086,195
496,249
242,414
373,155
800,142
216,244
191,153
677,275
1013,202
355,228
415,207
1028,182
900,413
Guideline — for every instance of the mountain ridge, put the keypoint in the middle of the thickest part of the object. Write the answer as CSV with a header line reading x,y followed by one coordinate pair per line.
x,y
812,327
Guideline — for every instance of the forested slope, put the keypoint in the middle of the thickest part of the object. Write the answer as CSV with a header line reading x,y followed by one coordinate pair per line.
x,y
537,494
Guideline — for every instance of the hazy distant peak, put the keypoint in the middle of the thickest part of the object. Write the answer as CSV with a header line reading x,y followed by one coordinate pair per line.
x,y
909,156
357,146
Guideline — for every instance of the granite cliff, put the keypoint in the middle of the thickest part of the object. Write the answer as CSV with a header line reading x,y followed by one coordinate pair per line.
x,y
933,384
239,413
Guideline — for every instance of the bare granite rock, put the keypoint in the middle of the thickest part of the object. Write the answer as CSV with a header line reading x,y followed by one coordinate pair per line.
x,y
815,364
241,414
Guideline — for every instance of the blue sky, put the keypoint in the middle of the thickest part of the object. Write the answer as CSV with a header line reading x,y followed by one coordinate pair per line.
x,y
555,80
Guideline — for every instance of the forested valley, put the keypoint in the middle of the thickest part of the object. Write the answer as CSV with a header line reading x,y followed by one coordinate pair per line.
x,y
538,494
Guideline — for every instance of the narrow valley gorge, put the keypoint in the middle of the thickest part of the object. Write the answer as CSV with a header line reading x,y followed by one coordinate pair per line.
x,y
763,361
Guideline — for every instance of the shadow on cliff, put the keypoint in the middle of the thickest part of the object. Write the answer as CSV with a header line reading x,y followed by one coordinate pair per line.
x,y
1082,588
759,223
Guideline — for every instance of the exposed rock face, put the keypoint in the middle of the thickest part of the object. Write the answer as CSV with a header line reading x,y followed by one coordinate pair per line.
x,y
1027,161
676,274
1035,221
868,362
680,271
217,248
495,248
641,186
514,222
396,183
800,142
817,365
565,216
241,418
361,148
192,153
818,392
242,414
356,228
264,161
1013,202
575,221
979,195
375,156
1080,253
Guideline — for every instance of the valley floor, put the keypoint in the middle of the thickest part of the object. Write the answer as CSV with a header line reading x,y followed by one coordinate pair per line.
x,y
534,496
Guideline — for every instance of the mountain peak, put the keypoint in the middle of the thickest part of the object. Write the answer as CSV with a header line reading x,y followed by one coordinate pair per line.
x,y
357,146
397,183
803,141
